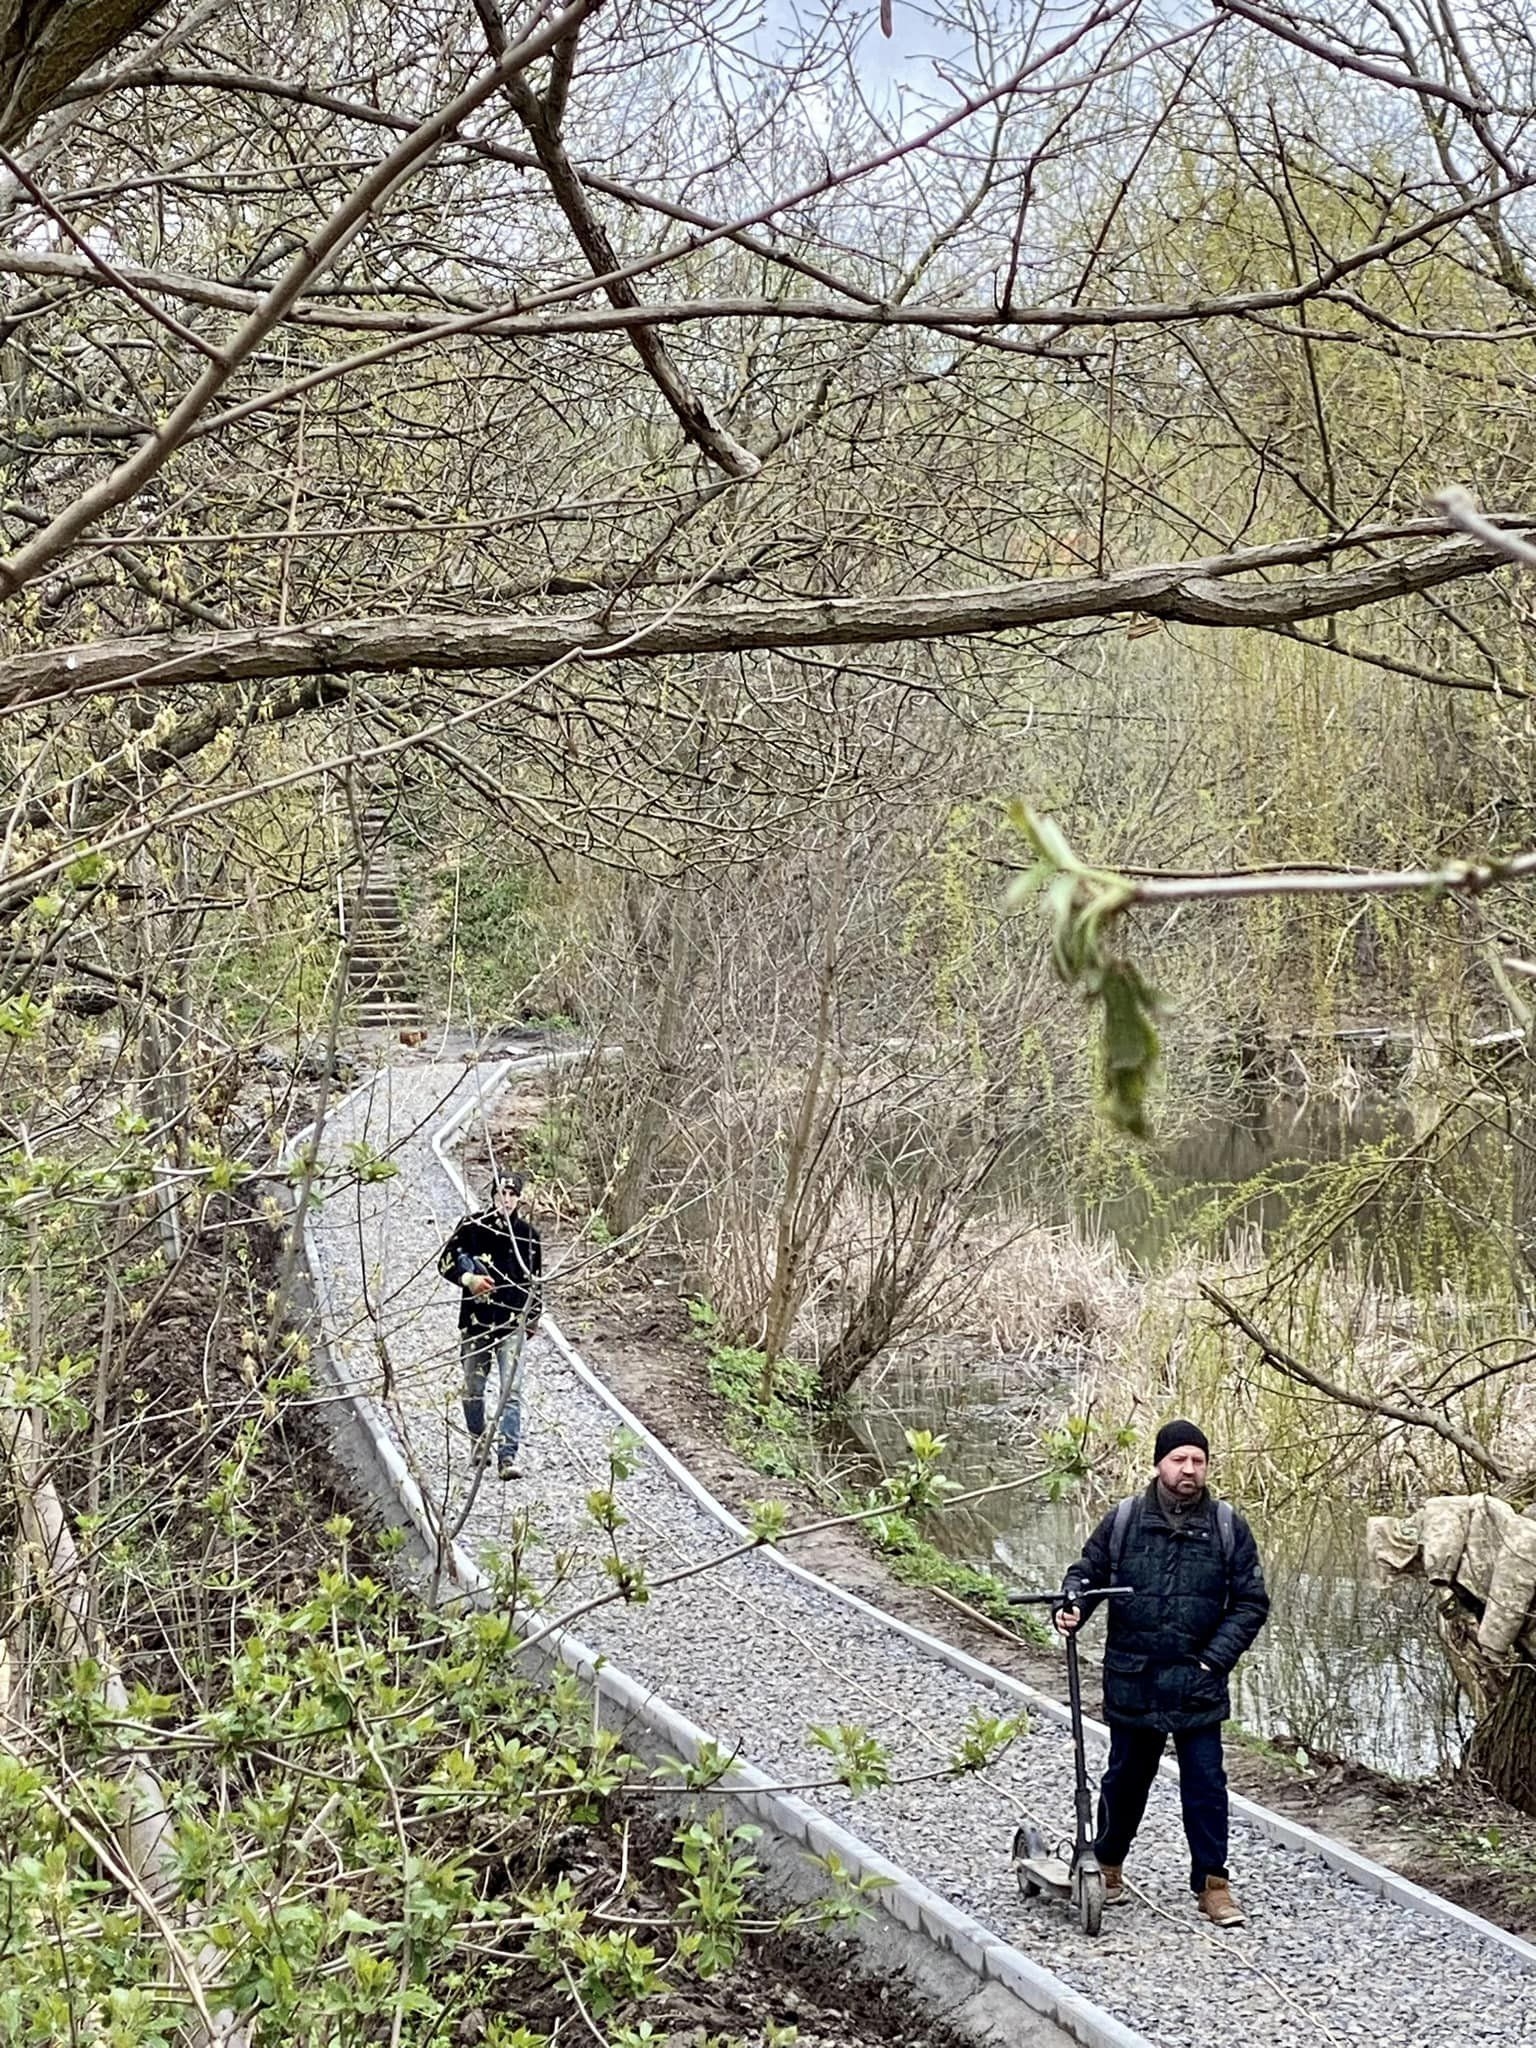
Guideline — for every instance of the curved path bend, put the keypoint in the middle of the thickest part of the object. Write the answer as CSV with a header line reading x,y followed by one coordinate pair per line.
x,y
759,1657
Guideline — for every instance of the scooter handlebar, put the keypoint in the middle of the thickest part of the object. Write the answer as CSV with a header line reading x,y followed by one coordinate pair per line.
x,y
1066,1599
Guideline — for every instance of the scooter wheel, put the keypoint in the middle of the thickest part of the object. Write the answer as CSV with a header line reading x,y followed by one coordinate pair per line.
x,y
1090,1900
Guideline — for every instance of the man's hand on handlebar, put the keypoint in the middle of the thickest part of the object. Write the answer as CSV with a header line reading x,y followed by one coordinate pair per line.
x,y
1066,1608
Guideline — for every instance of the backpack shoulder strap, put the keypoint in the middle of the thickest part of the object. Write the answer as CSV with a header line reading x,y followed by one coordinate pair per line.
x,y
1226,1536
1117,1535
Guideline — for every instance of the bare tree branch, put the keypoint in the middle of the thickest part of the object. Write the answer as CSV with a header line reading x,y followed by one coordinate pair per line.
x,y
1212,592
300,93
97,262
1342,58
1404,1410
536,316
318,253
541,118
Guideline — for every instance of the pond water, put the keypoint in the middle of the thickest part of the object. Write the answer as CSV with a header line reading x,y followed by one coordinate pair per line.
x,y
1157,1200
1149,1202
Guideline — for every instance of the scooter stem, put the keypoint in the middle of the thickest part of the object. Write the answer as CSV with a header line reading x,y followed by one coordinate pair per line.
x,y
1082,1848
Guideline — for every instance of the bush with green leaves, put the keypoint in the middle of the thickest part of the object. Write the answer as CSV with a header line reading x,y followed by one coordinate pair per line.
x,y
380,1826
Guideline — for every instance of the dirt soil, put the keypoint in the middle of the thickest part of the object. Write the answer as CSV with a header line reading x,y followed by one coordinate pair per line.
x,y
634,1331
811,1985
789,1977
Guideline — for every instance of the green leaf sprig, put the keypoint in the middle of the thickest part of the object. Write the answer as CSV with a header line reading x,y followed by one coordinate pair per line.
x,y
1083,903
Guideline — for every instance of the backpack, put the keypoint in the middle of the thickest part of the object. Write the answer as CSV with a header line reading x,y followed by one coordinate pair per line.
x,y
1226,1536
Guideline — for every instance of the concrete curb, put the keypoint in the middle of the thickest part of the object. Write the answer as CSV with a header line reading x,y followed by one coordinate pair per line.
x,y
1374,1877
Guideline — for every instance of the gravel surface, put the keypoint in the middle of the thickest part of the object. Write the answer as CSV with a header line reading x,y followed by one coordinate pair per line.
x,y
758,1658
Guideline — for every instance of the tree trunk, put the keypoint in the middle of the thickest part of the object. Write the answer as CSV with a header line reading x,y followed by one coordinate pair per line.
x,y
1501,1754
44,48
920,1227
868,1331
636,1172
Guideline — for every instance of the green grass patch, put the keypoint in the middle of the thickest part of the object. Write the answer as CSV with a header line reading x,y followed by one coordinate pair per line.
x,y
767,1421
916,1561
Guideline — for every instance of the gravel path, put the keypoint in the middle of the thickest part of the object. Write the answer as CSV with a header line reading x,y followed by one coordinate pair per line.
x,y
755,1656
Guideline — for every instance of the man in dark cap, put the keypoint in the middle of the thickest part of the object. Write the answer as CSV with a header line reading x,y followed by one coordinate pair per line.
x,y
495,1258
1197,1603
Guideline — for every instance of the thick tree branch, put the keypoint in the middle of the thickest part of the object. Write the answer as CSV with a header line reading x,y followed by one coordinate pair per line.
x,y
1411,1412
1451,878
1217,591
45,45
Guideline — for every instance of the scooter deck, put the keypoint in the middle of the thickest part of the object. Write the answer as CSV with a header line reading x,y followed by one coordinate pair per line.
x,y
1049,1872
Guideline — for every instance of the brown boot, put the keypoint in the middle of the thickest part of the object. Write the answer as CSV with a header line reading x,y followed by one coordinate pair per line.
x,y
1218,1904
1115,1893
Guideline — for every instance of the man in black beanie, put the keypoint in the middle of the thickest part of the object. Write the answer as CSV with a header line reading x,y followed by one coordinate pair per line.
x,y
1198,1602
496,1259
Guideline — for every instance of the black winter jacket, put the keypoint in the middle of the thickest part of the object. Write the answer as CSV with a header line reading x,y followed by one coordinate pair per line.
x,y
509,1250
1188,1611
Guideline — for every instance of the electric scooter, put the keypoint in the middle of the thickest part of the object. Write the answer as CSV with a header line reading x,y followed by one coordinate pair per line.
x,y
1077,1878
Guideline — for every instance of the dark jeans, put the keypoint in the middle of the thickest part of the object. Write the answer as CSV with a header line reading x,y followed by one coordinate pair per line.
x,y
497,1351
1134,1755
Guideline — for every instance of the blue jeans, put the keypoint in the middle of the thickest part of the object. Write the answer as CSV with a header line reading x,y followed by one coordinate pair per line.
x,y
479,1352
1134,1755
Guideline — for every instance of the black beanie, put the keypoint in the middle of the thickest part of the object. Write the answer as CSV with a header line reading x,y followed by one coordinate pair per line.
x,y
1174,1435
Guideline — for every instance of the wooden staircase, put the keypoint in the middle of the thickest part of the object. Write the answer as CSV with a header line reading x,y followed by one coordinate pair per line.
x,y
379,977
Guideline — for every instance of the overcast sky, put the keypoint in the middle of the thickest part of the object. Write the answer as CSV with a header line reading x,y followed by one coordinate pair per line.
x,y
885,64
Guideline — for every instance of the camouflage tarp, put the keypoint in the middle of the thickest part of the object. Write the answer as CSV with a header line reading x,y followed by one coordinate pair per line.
x,y
1477,1544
